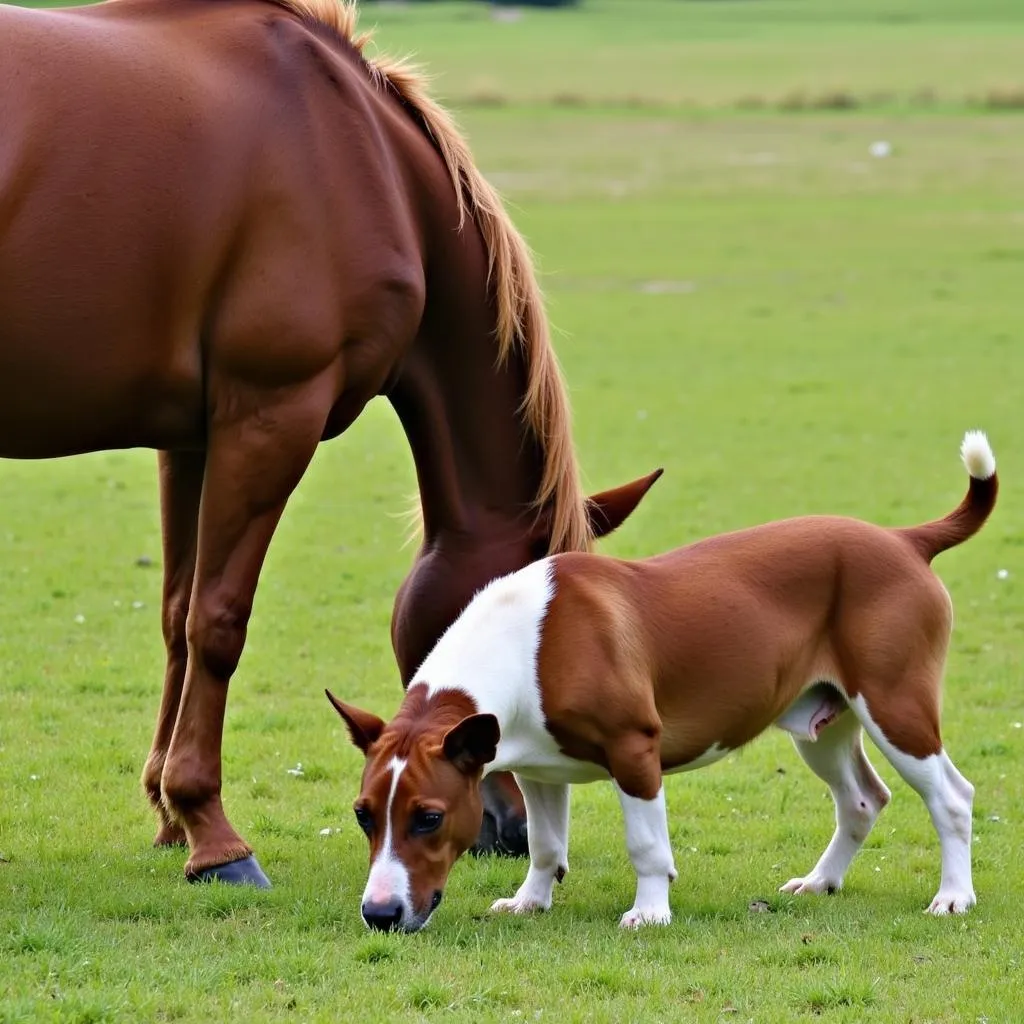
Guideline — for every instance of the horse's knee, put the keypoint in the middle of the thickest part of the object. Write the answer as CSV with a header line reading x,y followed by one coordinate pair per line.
x,y
216,635
152,774
187,783
174,621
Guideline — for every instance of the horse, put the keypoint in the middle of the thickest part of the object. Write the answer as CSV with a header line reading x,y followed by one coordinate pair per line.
x,y
224,229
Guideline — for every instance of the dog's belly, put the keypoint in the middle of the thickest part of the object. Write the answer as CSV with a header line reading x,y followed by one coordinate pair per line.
x,y
713,753
817,707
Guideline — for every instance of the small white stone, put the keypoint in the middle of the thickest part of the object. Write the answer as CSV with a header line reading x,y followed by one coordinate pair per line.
x,y
1003,574
880,149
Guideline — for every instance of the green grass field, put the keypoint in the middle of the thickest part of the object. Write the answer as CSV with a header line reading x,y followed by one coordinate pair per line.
x,y
743,296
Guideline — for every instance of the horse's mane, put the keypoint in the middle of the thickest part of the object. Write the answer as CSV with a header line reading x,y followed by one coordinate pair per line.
x,y
522,321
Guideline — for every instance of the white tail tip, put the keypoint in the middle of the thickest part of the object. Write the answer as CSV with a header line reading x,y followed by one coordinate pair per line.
x,y
977,455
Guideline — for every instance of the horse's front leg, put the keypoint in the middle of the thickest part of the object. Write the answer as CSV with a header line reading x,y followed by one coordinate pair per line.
x,y
181,485
257,452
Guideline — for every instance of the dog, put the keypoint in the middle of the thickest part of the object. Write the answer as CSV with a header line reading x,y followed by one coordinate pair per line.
x,y
583,667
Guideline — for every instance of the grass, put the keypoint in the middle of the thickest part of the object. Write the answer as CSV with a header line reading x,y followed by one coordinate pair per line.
x,y
750,299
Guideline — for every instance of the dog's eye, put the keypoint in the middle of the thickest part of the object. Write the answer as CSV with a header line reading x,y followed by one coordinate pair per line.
x,y
364,819
425,822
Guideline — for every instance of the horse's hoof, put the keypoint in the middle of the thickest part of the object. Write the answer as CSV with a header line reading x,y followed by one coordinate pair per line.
x,y
236,872
512,838
508,840
487,840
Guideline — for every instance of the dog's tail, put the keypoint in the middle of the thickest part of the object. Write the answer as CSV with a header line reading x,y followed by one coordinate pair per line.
x,y
931,539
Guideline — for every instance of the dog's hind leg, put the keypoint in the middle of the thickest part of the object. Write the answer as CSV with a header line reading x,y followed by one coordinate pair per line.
x,y
547,811
948,796
837,757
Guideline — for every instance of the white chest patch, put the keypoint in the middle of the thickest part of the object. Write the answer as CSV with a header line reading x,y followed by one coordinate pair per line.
x,y
490,652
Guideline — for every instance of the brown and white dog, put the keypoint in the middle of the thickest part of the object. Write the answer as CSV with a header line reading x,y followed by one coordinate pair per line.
x,y
582,667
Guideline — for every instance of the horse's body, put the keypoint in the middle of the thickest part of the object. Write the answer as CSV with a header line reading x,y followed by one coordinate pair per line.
x,y
222,232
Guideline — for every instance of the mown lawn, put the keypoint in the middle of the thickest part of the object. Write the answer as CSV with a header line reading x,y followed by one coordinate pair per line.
x,y
746,297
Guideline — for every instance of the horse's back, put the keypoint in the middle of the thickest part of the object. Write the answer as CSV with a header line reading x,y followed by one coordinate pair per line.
x,y
168,175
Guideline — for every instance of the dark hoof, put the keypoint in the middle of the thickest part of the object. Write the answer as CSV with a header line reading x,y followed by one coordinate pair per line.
x,y
487,840
236,872
506,840
512,838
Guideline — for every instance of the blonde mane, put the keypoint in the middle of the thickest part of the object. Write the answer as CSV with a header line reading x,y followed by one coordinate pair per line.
x,y
522,321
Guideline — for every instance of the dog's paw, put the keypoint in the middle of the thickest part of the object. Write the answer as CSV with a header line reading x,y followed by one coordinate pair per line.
x,y
951,903
520,904
812,883
640,917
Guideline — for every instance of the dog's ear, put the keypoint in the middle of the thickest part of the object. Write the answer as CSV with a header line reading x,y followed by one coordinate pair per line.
x,y
363,727
472,743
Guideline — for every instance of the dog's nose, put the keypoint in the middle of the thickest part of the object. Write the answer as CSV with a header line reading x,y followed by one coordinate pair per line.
x,y
384,916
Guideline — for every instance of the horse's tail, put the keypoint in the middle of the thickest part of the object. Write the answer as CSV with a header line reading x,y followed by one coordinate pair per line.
x,y
930,539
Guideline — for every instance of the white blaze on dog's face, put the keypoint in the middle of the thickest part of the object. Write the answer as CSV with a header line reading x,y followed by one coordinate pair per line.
x,y
419,802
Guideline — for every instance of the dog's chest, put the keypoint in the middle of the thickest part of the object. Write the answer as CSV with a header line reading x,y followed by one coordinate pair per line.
x,y
535,755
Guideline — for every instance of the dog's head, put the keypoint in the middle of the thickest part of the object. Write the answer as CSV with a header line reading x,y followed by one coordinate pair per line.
x,y
419,803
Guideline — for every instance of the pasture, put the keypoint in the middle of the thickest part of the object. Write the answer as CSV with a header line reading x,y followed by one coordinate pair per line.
x,y
742,294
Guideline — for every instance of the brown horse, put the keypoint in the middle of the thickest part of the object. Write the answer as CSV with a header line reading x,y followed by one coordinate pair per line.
x,y
223,230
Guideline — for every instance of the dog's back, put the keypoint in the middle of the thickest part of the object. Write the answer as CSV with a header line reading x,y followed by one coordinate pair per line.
x,y
712,642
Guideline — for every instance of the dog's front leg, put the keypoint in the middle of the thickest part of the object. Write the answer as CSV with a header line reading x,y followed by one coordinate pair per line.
x,y
651,854
547,812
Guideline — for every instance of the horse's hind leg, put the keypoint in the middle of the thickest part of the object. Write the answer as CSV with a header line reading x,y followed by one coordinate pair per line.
x,y
181,485
837,757
254,460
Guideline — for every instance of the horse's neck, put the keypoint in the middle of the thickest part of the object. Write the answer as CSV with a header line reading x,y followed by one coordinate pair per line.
x,y
477,470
